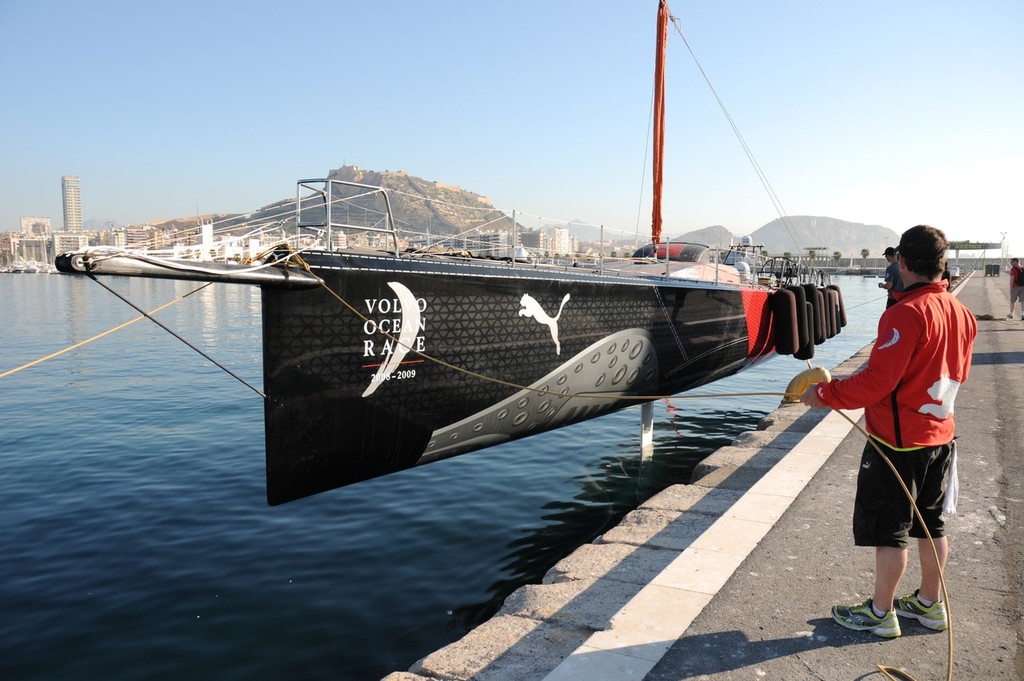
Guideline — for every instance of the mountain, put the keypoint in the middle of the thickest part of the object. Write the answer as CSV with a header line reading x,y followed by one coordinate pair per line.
x,y
716,236
449,210
797,233
416,204
187,224
452,210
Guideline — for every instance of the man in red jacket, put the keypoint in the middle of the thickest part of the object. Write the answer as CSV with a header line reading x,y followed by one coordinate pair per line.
x,y
921,356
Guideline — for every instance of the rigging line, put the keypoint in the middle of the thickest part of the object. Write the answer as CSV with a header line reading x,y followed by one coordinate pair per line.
x,y
101,335
643,173
463,234
162,326
421,197
266,224
517,386
547,218
866,302
284,210
505,212
145,256
773,197
889,671
449,237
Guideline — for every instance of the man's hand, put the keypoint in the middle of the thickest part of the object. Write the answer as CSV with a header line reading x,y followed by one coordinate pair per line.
x,y
811,399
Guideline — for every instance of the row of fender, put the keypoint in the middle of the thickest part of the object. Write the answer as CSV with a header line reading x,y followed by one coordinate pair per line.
x,y
804,315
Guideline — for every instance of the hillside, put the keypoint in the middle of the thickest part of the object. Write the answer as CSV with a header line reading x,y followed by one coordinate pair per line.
x,y
715,235
416,204
428,205
446,209
797,233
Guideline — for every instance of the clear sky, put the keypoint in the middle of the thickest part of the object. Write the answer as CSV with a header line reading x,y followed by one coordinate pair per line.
x,y
882,112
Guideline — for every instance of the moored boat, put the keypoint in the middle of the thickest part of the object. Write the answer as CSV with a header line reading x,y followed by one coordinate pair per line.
x,y
380,359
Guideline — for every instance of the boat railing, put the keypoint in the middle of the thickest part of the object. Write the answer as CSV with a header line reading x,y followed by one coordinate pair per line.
x,y
332,206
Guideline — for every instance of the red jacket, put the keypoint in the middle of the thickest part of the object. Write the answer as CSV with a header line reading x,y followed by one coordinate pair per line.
x,y
1013,276
921,356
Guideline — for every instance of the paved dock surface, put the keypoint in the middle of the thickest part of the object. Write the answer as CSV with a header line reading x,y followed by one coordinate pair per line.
x,y
772,620
734,576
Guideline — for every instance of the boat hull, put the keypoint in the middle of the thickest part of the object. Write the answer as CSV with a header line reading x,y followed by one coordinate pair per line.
x,y
394,362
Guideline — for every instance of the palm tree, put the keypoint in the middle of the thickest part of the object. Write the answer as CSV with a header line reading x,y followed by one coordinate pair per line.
x,y
837,256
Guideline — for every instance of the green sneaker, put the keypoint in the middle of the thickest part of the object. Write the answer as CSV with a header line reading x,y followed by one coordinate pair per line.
x,y
933,617
861,617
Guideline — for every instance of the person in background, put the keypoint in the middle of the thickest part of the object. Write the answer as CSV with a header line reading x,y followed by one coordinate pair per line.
x,y
892,282
1016,290
921,356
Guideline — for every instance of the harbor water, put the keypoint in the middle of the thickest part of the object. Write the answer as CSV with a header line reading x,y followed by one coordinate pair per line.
x,y
135,538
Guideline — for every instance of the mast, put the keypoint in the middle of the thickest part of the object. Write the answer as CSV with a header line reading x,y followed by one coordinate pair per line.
x,y
659,119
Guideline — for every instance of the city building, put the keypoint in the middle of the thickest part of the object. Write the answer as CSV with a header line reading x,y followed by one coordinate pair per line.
x,y
72,203
32,250
561,244
8,247
32,225
64,242
497,244
534,240
138,236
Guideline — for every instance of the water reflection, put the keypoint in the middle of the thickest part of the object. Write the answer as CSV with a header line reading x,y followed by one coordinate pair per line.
x,y
609,488
142,464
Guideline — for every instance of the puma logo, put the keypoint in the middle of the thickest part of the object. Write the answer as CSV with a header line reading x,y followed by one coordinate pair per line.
x,y
531,308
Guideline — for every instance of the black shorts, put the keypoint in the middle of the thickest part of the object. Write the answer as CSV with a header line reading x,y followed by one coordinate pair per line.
x,y
882,514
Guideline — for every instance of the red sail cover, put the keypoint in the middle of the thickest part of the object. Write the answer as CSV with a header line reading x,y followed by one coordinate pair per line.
x,y
659,119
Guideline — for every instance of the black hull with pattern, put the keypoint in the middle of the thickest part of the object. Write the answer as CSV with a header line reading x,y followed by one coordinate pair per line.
x,y
385,368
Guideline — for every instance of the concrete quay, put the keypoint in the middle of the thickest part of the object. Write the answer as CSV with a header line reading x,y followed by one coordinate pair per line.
x,y
733,576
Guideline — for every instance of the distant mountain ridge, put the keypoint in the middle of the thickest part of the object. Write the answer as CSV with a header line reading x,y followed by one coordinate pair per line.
x,y
451,210
797,233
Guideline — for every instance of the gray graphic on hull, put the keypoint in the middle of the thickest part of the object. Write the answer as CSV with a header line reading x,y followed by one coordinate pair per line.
x,y
623,363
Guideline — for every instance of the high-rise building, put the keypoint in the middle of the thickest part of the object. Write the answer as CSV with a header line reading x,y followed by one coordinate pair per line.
x,y
72,203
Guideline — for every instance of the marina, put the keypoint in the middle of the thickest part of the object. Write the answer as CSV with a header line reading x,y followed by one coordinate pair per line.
x,y
388,430
733,575
138,542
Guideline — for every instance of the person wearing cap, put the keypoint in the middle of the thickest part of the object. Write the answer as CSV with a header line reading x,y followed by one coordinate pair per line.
x,y
892,282
921,356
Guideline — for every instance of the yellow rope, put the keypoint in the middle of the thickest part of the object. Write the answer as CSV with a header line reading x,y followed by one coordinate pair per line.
x,y
517,386
891,672
99,335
